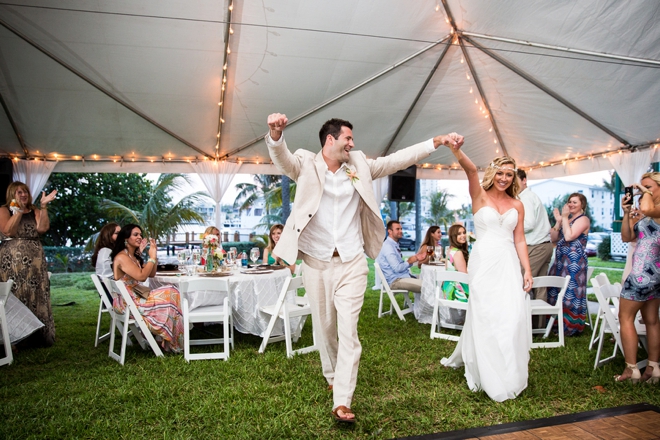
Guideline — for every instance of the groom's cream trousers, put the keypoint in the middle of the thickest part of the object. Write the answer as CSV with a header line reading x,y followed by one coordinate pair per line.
x,y
336,294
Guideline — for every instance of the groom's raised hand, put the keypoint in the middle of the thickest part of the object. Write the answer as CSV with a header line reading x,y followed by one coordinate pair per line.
x,y
277,123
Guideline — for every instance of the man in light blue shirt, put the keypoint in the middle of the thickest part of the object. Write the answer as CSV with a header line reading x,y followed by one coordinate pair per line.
x,y
396,270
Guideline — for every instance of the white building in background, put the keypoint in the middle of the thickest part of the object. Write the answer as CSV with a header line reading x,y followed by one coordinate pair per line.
x,y
599,199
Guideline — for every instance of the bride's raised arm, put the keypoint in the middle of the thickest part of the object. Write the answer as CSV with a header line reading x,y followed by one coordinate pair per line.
x,y
476,191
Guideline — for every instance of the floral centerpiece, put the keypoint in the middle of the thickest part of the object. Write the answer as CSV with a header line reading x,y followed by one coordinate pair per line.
x,y
213,252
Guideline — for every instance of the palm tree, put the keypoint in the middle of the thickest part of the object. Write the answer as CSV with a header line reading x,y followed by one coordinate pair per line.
x,y
262,190
439,213
160,216
611,185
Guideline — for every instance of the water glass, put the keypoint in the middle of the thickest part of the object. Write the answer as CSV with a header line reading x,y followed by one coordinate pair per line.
x,y
196,257
254,254
437,253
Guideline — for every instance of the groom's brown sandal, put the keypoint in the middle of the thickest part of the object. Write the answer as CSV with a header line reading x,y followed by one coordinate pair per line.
x,y
344,419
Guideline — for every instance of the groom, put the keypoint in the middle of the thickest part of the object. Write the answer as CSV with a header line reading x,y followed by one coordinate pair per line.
x,y
335,220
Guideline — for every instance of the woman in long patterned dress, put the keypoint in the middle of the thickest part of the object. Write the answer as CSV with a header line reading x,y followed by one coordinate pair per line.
x,y
641,289
22,257
161,309
570,234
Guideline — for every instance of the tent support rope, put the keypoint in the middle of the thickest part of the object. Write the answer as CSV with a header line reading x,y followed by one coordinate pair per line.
x,y
100,88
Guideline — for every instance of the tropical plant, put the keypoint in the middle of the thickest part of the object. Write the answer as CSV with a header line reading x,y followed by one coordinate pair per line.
x,y
611,185
267,189
76,213
403,209
439,213
159,215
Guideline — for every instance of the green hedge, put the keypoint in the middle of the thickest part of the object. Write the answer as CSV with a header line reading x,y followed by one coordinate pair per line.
x,y
604,248
68,259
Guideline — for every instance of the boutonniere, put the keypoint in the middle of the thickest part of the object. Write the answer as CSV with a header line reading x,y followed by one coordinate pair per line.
x,y
352,175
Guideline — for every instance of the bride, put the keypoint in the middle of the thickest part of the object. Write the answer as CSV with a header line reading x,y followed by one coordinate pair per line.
x,y
496,339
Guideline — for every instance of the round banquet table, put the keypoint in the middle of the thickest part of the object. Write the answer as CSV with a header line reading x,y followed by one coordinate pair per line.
x,y
248,293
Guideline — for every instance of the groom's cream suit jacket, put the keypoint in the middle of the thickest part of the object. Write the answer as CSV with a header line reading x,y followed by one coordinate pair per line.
x,y
308,169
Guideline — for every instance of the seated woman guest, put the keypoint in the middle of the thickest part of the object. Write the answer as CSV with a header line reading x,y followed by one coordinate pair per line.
x,y
432,238
570,235
160,308
273,238
457,259
105,242
641,289
22,257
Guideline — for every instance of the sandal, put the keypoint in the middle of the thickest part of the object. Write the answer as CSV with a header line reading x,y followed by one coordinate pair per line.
x,y
651,373
344,419
634,376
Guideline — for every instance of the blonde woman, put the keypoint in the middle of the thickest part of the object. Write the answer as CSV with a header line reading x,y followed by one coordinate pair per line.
x,y
496,339
273,237
641,289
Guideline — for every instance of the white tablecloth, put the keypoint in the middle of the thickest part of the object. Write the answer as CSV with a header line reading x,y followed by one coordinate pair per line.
x,y
424,305
248,292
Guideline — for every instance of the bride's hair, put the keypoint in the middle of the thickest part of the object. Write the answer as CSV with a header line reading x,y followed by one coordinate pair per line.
x,y
495,166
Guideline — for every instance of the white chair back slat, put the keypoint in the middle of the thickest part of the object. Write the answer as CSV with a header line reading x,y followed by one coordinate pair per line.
x,y
437,322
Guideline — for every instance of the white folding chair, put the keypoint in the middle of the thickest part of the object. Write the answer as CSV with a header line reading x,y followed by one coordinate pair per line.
x,y
5,291
286,311
600,316
131,318
440,301
105,306
540,307
212,313
298,271
590,271
385,289
608,299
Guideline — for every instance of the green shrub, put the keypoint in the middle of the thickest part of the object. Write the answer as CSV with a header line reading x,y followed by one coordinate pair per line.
x,y
68,259
604,249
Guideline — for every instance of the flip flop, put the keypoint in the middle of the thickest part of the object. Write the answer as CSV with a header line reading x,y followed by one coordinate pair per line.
x,y
345,410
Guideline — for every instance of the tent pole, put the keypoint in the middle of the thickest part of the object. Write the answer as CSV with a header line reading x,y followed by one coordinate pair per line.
x,y
482,94
100,88
14,127
546,89
341,95
414,103
564,49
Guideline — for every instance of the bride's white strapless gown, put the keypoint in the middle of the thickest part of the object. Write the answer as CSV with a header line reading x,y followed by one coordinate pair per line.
x,y
496,339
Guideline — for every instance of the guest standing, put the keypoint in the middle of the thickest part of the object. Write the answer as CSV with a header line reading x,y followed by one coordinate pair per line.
x,y
641,289
22,257
537,236
570,234
161,309
105,242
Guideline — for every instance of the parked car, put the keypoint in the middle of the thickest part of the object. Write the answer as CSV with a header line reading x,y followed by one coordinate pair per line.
x,y
406,244
592,248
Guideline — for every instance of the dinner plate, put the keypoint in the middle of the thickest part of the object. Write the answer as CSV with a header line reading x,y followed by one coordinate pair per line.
x,y
256,271
169,273
215,274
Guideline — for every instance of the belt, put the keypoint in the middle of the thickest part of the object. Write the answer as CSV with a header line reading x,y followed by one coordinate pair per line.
x,y
335,253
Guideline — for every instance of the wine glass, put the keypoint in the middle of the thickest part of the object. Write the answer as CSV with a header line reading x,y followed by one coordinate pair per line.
x,y
181,256
196,257
254,254
429,252
231,256
437,253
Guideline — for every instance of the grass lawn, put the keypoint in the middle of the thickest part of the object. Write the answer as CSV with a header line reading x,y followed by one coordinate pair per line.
x,y
73,390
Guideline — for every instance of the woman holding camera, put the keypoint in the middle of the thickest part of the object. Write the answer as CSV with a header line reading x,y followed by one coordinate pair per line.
x,y
641,289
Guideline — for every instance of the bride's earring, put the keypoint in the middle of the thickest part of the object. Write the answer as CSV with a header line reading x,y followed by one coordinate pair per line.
x,y
125,242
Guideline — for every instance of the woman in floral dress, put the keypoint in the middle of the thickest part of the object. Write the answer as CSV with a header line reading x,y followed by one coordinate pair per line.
x,y
161,309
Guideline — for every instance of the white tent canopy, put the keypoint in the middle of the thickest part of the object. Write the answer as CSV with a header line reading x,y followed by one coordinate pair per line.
x,y
135,86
